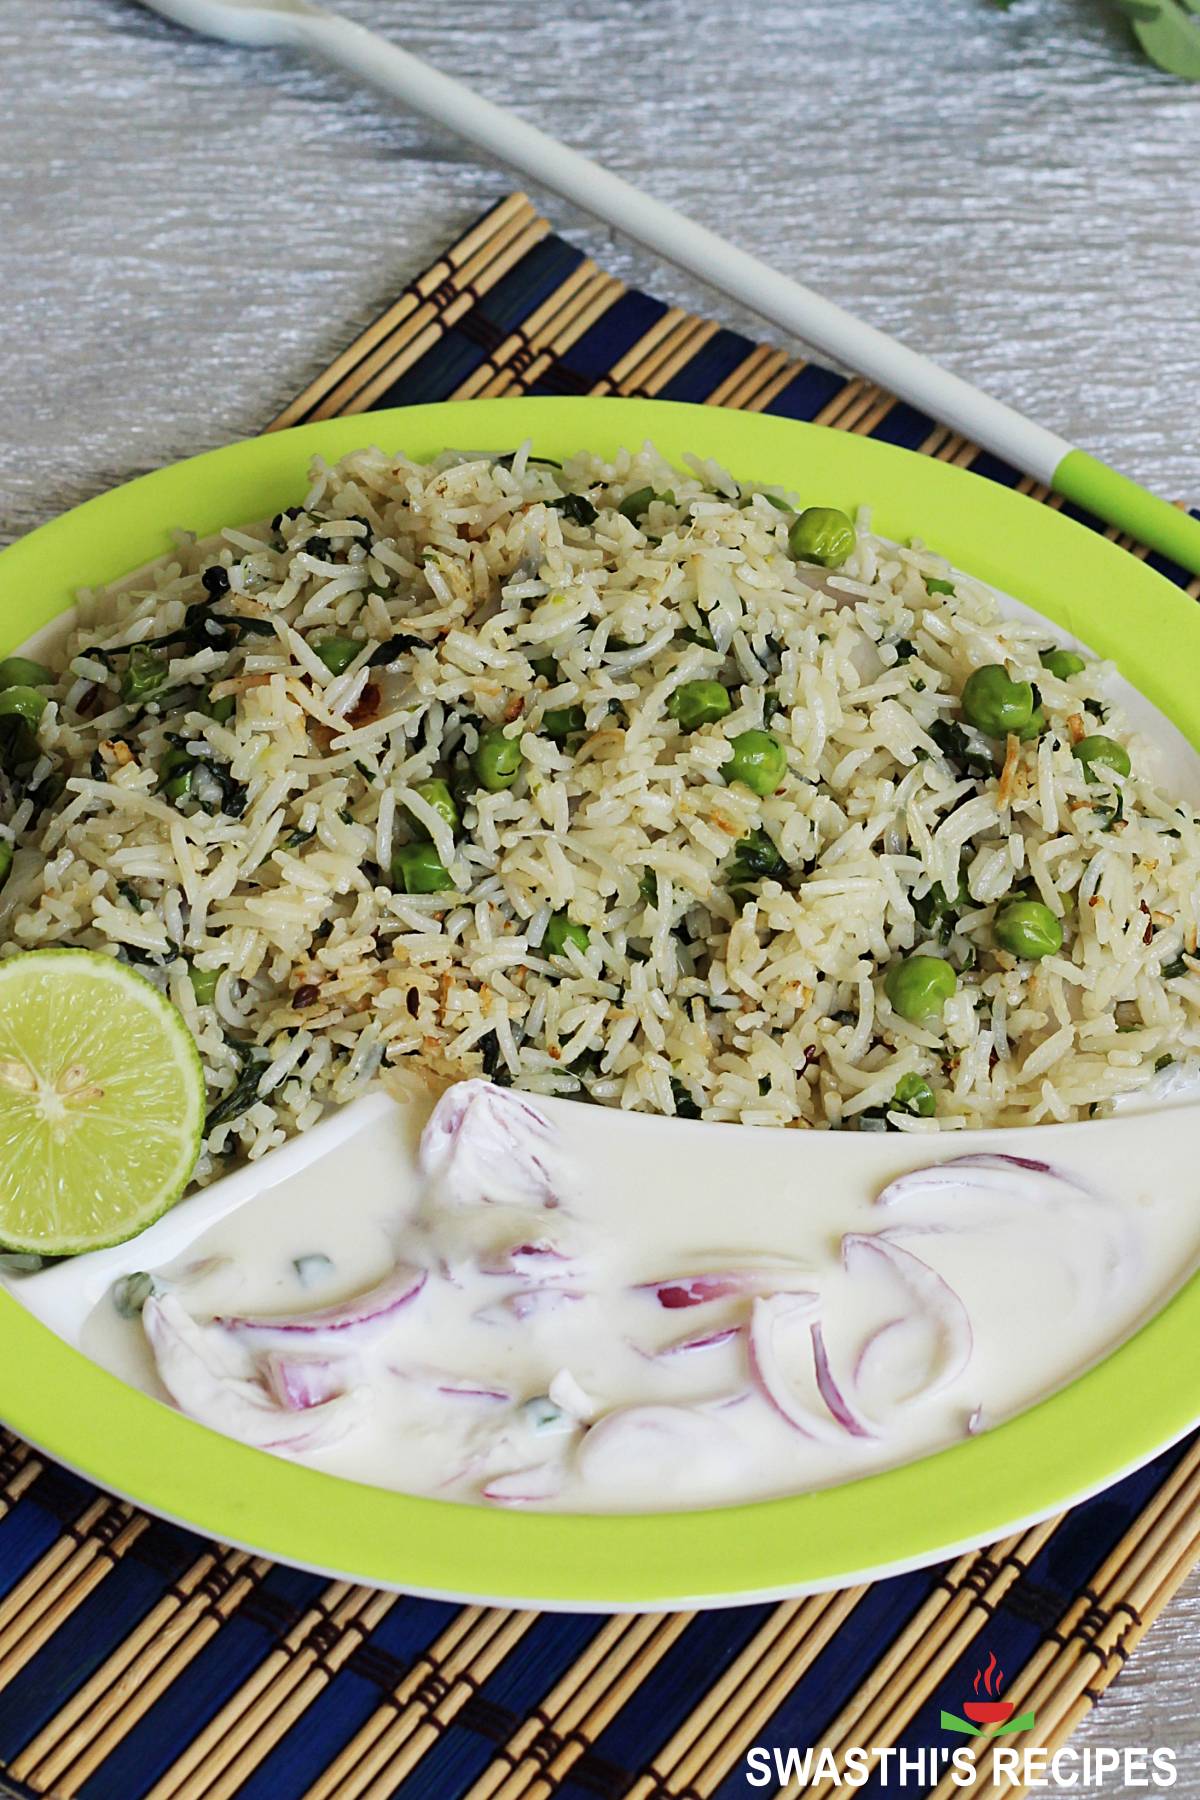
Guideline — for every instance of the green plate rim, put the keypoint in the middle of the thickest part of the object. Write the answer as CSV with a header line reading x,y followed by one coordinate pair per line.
x,y
1113,1418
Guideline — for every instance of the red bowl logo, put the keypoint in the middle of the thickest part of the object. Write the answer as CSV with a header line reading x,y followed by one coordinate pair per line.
x,y
988,1712
993,1710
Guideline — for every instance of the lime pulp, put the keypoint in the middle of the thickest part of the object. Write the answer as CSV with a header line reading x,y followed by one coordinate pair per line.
x,y
101,1102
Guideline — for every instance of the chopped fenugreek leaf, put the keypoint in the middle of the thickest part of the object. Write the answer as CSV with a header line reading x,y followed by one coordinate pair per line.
x,y
577,508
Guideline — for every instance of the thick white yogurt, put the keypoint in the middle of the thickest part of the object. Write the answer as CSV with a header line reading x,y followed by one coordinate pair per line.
x,y
538,1281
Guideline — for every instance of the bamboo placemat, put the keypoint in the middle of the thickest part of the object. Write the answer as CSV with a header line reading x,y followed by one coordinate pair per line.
x,y
140,1662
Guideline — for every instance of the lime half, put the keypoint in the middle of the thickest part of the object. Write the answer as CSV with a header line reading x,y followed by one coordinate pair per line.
x,y
101,1102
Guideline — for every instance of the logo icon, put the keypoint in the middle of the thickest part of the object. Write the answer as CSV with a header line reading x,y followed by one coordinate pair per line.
x,y
987,1714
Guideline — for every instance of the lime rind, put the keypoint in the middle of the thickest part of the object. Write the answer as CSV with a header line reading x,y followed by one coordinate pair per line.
x,y
117,1067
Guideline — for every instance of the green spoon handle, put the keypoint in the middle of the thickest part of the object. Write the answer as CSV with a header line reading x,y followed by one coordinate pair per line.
x,y
1110,495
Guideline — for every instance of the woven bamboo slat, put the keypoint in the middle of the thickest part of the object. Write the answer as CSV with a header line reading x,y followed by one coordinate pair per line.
x,y
546,336
143,1666
471,1628
404,1732
725,1725
409,328
595,1705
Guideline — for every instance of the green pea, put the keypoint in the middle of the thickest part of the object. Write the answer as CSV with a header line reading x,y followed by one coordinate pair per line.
x,y
204,984
935,585
994,703
1063,663
1035,727
919,986
131,1292
436,794
563,722
822,535
416,870
6,859
699,703
222,710
562,931
337,653
1093,752
914,1095
546,667
497,760
22,703
145,673
22,671
758,760
1027,928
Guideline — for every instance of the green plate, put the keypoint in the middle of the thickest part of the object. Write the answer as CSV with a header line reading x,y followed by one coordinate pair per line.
x,y
1113,1418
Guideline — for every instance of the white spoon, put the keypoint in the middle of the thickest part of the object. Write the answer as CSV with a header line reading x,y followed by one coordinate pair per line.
x,y
1031,447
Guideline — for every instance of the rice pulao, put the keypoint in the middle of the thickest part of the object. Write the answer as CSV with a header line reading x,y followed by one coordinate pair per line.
x,y
612,780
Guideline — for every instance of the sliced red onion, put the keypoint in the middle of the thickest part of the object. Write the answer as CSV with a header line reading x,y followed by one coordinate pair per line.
x,y
724,1402
990,1172
483,1142
207,1374
525,1487
677,1445
879,1351
298,1382
1019,1162
676,1291
465,1470
458,1387
474,1390
704,1340
1106,1236
796,1394
892,1366
528,1303
934,1296
840,1407
538,1261
360,1316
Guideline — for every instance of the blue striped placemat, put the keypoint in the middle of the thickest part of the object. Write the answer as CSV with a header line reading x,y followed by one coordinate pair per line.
x,y
141,1662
